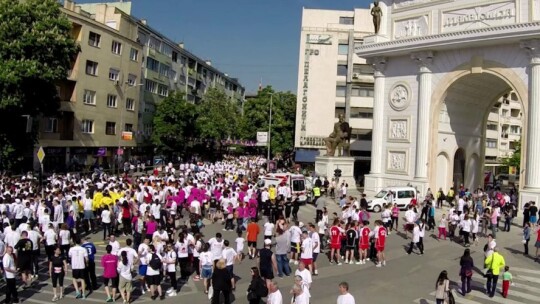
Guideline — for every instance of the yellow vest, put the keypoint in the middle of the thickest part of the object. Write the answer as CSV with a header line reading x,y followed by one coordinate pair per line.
x,y
316,191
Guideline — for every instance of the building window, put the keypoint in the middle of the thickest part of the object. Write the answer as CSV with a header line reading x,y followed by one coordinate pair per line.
x,y
154,43
343,49
346,20
515,130
166,50
341,91
492,127
87,126
111,101
363,69
152,64
174,56
91,67
150,86
163,90
94,39
130,104
52,125
491,143
134,54
147,129
362,113
361,134
110,128
116,47
342,70
89,97
132,80
164,70
114,74
128,127
362,91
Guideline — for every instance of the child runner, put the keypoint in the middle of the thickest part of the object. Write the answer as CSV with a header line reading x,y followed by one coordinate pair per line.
x,y
380,240
351,237
507,280
240,246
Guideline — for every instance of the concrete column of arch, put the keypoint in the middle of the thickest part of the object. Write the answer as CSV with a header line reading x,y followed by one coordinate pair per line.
x,y
377,136
532,174
424,61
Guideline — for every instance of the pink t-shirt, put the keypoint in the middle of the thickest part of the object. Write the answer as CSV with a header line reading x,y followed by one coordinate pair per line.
x,y
241,212
109,263
151,227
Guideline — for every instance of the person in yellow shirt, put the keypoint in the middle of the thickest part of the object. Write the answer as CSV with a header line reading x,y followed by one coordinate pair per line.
x,y
272,193
494,263
96,201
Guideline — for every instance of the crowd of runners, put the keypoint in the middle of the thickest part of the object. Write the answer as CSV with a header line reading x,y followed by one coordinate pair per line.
x,y
162,217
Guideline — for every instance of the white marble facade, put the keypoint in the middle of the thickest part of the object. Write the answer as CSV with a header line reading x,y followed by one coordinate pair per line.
x,y
435,85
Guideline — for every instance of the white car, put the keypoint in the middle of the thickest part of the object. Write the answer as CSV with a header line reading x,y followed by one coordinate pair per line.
x,y
402,197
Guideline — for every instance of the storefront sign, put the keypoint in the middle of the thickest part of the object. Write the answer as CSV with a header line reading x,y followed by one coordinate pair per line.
x,y
319,39
127,135
312,141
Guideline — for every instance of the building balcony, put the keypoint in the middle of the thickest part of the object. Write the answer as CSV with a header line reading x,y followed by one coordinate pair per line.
x,y
361,102
361,123
362,78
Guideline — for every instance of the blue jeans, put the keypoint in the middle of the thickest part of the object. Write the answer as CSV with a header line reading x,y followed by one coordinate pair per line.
x,y
283,265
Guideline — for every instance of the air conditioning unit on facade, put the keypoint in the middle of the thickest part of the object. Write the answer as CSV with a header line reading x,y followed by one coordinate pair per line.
x,y
356,75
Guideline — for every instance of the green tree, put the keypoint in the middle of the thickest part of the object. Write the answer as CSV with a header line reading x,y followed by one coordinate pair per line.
x,y
256,118
515,159
36,51
218,116
174,122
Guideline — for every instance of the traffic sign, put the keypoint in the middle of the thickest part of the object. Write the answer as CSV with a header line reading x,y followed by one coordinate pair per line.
x,y
40,155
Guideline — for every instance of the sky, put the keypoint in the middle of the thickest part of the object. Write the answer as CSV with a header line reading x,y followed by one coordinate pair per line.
x,y
247,39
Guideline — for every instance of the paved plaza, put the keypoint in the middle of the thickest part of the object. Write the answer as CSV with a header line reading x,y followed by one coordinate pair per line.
x,y
405,279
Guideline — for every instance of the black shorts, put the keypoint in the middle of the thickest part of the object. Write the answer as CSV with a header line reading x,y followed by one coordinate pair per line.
x,y
79,274
24,264
153,279
295,247
267,237
113,281
350,247
252,244
267,274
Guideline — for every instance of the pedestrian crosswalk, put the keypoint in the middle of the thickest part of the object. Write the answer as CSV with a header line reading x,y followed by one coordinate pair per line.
x,y
525,289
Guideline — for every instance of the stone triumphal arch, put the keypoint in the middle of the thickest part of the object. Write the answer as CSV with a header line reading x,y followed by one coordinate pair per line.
x,y
440,66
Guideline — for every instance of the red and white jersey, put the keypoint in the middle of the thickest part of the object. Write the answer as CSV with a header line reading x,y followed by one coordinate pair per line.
x,y
381,236
364,236
335,235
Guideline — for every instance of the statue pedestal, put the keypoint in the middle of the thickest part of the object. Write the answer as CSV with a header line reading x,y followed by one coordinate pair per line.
x,y
377,38
325,166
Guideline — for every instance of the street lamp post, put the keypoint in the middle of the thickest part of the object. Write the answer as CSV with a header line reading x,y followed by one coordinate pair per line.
x,y
269,134
123,103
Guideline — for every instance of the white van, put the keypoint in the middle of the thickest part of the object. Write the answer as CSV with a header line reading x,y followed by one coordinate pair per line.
x,y
297,183
402,196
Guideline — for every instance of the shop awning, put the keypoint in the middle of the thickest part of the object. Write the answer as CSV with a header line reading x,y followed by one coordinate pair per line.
x,y
305,155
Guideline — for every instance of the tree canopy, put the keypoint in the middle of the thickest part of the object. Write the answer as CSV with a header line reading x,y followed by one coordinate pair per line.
x,y
218,116
174,123
36,51
256,118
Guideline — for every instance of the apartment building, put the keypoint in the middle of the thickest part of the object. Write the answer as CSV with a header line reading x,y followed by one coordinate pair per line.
x,y
124,69
100,97
332,80
503,129
167,66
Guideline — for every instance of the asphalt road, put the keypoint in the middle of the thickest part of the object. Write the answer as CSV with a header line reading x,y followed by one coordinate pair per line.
x,y
405,279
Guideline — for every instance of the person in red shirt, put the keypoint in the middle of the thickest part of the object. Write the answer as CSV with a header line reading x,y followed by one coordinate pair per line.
x,y
253,231
363,244
380,240
336,233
